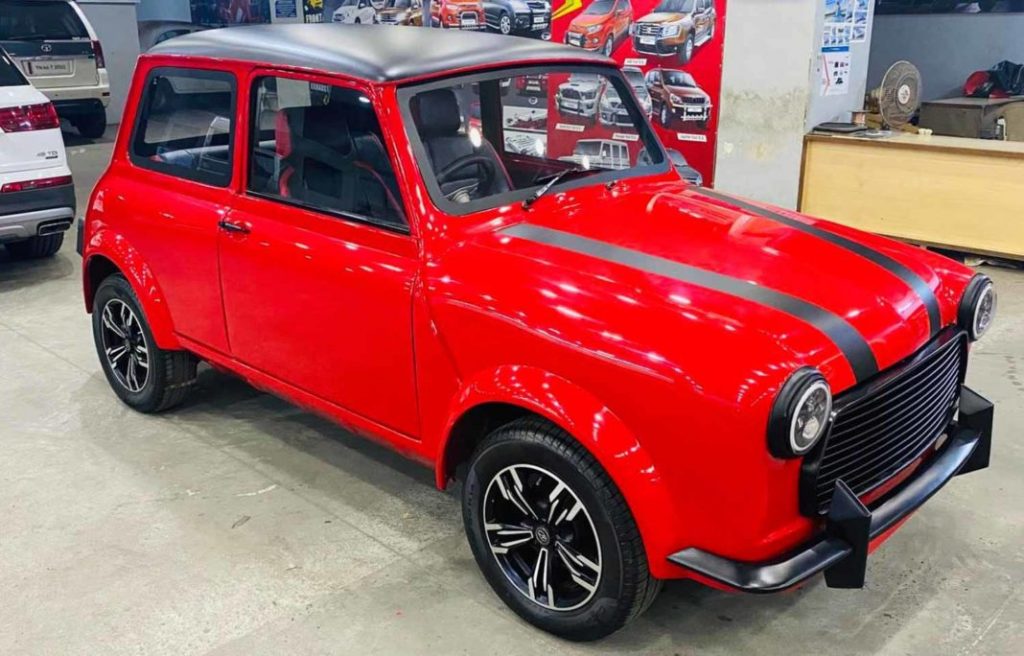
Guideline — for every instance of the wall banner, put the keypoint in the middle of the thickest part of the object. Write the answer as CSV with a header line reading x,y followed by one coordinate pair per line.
x,y
670,51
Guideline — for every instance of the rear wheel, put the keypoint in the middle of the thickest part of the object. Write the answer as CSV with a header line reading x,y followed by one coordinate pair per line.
x,y
144,376
93,125
44,246
553,535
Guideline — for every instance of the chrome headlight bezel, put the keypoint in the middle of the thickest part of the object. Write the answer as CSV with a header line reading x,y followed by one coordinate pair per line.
x,y
972,316
794,397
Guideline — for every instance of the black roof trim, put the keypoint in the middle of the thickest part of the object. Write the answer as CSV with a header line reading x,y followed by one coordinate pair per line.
x,y
379,53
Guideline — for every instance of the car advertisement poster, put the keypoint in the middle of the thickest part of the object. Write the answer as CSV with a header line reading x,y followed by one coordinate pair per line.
x,y
671,54
670,51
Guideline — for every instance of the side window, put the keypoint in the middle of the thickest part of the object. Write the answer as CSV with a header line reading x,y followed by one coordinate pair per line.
x,y
185,125
321,147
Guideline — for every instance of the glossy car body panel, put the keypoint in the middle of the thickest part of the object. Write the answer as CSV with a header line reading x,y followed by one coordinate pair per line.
x,y
399,335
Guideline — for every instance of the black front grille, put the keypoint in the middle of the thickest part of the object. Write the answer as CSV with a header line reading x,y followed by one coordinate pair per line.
x,y
648,29
883,426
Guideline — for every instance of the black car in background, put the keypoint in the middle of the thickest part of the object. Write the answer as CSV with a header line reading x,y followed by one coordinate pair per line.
x,y
522,17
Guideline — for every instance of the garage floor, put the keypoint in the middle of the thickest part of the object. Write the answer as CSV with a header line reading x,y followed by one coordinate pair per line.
x,y
242,525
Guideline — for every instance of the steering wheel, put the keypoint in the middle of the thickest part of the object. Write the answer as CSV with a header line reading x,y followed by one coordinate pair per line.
x,y
490,171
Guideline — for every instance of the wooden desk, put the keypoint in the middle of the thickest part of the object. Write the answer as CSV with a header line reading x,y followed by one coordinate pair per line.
x,y
964,194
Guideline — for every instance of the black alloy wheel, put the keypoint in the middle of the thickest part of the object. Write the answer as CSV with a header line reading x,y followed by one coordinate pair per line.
x,y
552,534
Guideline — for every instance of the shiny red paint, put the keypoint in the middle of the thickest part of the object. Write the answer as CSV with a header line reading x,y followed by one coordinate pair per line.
x,y
398,336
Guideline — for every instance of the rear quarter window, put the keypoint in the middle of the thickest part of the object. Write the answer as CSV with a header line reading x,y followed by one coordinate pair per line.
x,y
10,76
39,20
185,125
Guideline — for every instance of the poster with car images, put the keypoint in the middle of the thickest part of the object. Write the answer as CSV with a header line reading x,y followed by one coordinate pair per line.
x,y
216,13
671,54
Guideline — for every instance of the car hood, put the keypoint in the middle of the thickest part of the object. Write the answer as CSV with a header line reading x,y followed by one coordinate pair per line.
x,y
584,21
660,264
663,17
688,92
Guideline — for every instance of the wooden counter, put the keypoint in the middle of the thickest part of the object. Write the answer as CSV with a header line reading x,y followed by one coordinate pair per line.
x,y
965,194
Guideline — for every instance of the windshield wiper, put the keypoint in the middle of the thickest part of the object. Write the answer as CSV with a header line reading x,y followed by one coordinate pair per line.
x,y
553,179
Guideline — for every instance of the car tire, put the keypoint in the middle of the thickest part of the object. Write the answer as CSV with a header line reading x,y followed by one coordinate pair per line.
x,y
686,52
505,23
92,126
664,117
608,48
168,376
36,247
583,549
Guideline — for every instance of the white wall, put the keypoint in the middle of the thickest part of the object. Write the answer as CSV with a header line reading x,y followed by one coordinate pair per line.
x,y
175,10
116,26
771,96
947,48
765,94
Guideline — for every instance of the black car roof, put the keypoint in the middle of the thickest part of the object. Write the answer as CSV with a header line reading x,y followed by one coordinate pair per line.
x,y
379,53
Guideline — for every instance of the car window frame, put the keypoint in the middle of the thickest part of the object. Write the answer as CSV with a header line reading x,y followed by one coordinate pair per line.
x,y
142,113
253,78
406,92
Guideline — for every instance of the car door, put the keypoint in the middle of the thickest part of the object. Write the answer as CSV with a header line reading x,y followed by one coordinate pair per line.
x,y
317,260
622,17
654,88
170,200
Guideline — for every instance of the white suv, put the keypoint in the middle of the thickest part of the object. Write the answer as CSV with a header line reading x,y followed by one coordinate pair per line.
x,y
37,196
57,50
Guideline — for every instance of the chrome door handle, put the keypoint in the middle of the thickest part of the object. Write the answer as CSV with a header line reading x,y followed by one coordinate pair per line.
x,y
230,226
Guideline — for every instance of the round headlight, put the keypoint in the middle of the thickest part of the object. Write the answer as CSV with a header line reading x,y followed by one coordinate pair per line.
x,y
801,414
978,307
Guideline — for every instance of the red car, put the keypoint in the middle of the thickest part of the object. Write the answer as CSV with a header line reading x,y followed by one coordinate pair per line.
x,y
458,14
636,379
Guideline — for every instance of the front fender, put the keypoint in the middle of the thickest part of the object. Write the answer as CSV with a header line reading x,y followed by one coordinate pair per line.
x,y
591,422
113,247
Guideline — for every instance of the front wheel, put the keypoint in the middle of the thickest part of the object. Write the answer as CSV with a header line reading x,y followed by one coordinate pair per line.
x,y
553,535
664,117
505,24
143,375
608,47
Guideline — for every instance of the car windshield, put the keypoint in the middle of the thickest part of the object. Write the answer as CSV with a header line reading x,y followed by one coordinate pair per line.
x,y
37,20
635,77
679,79
350,3
675,6
398,4
600,7
10,76
489,139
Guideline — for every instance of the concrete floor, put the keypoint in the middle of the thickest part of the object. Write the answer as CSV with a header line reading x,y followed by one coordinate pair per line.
x,y
239,524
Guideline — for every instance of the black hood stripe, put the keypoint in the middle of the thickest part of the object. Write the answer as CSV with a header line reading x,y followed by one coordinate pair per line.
x,y
857,351
911,279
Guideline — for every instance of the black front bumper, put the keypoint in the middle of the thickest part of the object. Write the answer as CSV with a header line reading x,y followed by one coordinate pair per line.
x,y
842,551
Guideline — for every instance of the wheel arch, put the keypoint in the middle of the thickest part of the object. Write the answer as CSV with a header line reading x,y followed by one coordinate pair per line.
x,y
499,396
106,256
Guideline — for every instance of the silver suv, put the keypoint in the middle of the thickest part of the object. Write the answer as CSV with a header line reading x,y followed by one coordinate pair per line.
x,y
57,50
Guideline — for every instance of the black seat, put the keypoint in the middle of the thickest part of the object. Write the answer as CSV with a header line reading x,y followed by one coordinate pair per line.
x,y
439,122
322,165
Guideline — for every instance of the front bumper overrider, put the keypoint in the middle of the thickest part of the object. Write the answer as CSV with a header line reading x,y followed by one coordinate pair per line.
x,y
842,550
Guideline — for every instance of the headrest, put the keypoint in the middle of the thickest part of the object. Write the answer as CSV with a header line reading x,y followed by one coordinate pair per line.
x,y
437,113
312,128
327,126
